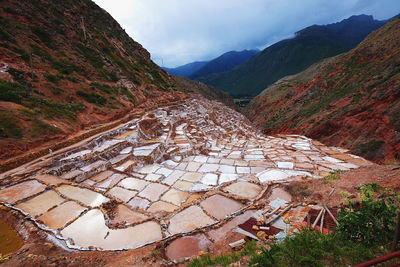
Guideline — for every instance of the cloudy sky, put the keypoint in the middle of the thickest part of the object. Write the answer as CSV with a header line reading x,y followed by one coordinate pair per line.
x,y
177,32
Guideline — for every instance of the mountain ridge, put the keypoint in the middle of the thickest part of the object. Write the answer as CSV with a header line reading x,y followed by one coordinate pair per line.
x,y
187,69
291,56
350,100
66,66
225,62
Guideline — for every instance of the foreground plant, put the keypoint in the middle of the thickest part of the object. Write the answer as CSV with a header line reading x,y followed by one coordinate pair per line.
x,y
365,232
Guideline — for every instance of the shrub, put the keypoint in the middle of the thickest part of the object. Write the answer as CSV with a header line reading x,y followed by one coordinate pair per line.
x,y
92,98
363,234
4,35
54,109
65,67
91,55
12,92
312,248
224,260
8,127
370,146
333,175
371,222
53,78
43,35
41,128
104,88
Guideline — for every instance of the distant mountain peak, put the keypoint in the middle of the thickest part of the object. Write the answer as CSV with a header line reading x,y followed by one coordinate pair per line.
x,y
291,56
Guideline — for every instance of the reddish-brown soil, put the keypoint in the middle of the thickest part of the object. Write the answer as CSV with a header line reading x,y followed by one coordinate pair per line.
x,y
58,79
351,100
387,176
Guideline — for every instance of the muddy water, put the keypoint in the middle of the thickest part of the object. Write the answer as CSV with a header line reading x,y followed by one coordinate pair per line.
x,y
10,241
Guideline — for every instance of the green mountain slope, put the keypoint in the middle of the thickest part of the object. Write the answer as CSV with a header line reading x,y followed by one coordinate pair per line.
x,y
351,100
68,65
293,55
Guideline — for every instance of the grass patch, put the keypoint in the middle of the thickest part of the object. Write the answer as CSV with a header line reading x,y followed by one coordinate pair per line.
x,y
225,260
57,90
12,92
312,248
65,67
92,98
104,88
44,36
53,109
332,176
41,128
91,55
9,127
370,146
4,35
53,78
131,98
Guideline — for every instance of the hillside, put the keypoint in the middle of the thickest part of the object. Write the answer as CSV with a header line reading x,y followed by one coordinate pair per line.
x,y
196,87
291,56
186,70
351,100
68,65
225,62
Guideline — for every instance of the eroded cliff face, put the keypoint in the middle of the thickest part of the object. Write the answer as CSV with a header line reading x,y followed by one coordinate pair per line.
x,y
68,65
351,100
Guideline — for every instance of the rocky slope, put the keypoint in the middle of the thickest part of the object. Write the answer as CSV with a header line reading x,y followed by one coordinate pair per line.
x,y
291,56
68,65
351,100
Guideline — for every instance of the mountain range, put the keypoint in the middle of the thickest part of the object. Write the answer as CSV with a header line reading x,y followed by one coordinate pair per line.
x,y
224,62
351,100
186,70
292,55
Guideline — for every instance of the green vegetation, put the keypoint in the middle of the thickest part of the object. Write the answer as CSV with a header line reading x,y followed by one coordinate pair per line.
x,y
91,55
249,250
36,50
65,67
242,102
92,98
365,232
277,119
54,109
371,222
333,175
40,128
104,88
129,95
12,92
9,127
370,146
312,248
43,35
4,35
4,258
265,68
53,78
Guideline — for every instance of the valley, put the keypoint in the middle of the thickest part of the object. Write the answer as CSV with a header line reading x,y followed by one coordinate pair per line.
x,y
164,175
287,156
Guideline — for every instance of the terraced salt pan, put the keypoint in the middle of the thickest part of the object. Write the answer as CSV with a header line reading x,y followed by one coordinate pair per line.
x,y
197,173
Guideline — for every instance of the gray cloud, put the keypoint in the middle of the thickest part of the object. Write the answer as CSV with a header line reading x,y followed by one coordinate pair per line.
x,y
181,31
